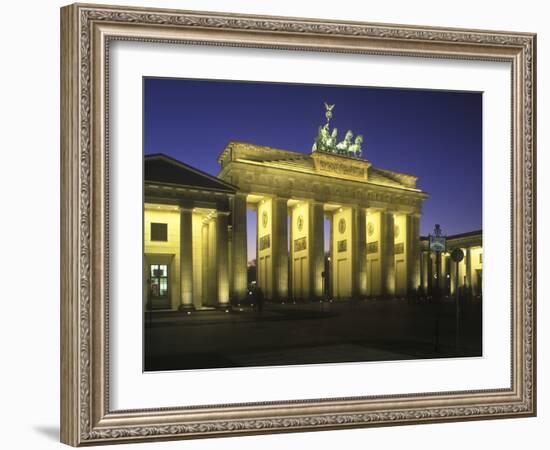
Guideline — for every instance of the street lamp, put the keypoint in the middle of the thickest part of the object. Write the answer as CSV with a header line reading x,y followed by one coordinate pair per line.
x,y
457,255
437,244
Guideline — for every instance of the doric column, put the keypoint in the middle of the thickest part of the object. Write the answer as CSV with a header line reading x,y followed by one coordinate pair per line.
x,y
239,255
387,259
258,221
279,233
332,262
230,259
452,272
146,285
186,258
423,271
292,294
206,295
468,268
430,272
316,249
212,275
359,252
222,258
413,252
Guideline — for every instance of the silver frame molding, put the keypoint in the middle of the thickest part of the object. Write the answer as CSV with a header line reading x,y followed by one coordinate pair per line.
x,y
86,31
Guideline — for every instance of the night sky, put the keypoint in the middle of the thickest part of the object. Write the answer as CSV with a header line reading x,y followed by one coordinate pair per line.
x,y
435,135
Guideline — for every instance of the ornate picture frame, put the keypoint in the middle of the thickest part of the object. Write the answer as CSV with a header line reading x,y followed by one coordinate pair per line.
x,y
86,34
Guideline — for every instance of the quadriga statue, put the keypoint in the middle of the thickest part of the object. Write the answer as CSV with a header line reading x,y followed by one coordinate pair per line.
x,y
355,148
343,146
325,140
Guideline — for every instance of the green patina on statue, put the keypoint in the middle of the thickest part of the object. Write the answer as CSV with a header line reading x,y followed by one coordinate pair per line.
x,y
326,140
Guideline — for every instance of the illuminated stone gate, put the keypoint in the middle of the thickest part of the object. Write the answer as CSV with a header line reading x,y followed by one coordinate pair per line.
x,y
195,226
374,223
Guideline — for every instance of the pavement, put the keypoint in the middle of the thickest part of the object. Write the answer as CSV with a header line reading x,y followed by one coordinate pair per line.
x,y
310,333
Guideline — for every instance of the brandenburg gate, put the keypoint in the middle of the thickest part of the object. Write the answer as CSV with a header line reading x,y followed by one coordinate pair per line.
x,y
374,214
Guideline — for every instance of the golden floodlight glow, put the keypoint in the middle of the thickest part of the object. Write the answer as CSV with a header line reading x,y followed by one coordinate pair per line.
x,y
375,237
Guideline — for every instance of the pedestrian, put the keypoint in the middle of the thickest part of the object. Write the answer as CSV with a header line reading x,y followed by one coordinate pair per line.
x,y
259,298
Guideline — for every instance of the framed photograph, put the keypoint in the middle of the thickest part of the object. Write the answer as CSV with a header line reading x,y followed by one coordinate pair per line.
x,y
275,224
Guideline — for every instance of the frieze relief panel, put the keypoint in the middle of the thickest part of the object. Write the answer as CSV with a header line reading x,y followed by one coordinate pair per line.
x,y
340,167
265,242
300,244
342,245
372,247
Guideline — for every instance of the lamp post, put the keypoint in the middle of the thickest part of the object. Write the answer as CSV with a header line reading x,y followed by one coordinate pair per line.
x,y
437,244
457,255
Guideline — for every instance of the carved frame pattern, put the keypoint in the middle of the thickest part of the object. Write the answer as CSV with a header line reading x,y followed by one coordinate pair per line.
x,y
86,417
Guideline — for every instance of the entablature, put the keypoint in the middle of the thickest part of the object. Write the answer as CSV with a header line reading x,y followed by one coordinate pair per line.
x,y
320,188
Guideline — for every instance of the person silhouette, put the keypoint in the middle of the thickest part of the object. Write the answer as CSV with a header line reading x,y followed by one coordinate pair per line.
x,y
259,298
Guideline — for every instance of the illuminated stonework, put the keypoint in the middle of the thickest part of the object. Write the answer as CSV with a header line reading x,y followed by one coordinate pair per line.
x,y
195,231
349,192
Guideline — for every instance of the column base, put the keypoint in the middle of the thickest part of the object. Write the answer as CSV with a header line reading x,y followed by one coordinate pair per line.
x,y
224,307
186,308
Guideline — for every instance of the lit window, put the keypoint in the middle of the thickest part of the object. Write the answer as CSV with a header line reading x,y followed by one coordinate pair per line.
x,y
159,280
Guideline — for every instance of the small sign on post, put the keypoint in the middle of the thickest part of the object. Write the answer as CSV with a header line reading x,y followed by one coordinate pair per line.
x,y
457,255
438,244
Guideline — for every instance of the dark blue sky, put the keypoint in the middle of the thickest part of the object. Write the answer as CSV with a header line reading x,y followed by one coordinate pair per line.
x,y
435,135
